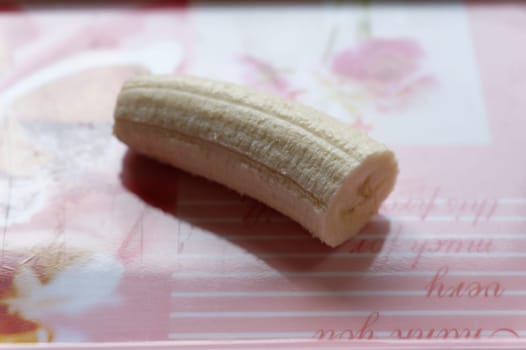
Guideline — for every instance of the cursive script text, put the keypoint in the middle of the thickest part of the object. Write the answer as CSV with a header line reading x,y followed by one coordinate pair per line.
x,y
439,287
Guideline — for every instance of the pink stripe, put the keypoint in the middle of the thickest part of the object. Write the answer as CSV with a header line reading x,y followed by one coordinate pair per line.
x,y
482,209
265,214
282,264
335,303
313,324
229,209
437,227
410,227
349,263
510,210
250,228
287,344
289,283
257,247
360,244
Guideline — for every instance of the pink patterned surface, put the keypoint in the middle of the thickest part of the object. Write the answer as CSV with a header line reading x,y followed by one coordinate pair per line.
x,y
102,245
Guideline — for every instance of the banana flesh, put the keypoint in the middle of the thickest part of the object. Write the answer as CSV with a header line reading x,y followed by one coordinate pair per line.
x,y
315,169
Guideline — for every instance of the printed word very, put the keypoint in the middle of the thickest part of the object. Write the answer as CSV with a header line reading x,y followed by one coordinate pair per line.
x,y
440,287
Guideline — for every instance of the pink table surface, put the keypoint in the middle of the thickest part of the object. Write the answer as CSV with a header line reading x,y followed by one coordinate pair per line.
x,y
102,247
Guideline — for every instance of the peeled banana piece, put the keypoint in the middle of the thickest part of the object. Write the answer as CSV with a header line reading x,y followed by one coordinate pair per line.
x,y
318,171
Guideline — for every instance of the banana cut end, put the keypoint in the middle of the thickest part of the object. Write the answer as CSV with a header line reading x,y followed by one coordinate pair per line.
x,y
359,198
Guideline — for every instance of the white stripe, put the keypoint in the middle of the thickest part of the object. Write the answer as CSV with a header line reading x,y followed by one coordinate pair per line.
x,y
457,236
351,293
511,201
514,292
239,335
209,202
304,335
278,237
273,294
266,314
416,200
460,236
516,218
254,335
389,201
448,218
465,255
345,255
263,274
206,219
504,201
409,218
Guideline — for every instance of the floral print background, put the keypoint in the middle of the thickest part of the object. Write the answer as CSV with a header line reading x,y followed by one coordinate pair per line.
x,y
380,68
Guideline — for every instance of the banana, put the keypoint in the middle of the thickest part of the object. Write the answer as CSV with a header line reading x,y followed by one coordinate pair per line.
x,y
315,169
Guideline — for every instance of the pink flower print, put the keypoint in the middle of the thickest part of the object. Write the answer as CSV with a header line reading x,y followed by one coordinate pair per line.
x,y
383,66
361,125
264,76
